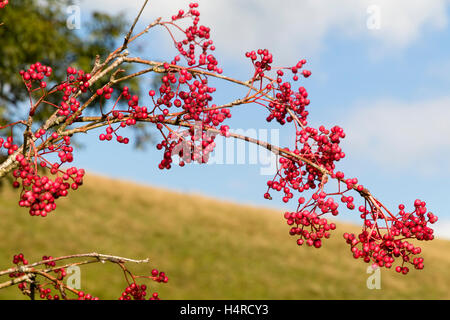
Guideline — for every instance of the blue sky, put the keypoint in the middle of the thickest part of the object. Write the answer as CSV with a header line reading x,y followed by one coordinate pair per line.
x,y
387,86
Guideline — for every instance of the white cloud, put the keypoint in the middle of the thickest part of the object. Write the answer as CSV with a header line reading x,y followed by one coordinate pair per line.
x,y
402,134
402,21
442,229
294,29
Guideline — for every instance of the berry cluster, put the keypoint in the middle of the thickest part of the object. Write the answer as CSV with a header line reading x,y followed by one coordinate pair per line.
x,y
76,81
3,3
106,92
319,149
372,245
85,296
195,36
159,276
189,94
323,149
46,293
9,145
126,118
307,167
40,192
135,292
61,272
285,98
307,221
134,112
19,260
263,64
139,292
36,73
309,227
193,101
189,145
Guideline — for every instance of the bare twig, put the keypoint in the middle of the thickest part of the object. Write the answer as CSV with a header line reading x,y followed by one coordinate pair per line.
x,y
130,32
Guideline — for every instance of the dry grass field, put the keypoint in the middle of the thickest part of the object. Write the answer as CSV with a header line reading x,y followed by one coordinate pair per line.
x,y
210,249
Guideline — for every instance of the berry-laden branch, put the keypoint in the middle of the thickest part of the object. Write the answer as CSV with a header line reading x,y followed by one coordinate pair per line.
x,y
46,279
188,121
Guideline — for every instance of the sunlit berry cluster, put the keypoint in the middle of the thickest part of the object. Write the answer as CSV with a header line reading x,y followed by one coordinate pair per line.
x,y
39,193
383,248
196,37
286,98
310,227
9,145
76,81
135,291
180,96
42,178
3,3
19,260
320,149
307,167
36,73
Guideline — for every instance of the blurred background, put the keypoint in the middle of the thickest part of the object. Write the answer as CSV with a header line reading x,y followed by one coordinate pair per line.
x,y
380,70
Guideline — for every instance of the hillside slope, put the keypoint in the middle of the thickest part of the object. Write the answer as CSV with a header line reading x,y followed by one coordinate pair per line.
x,y
209,249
